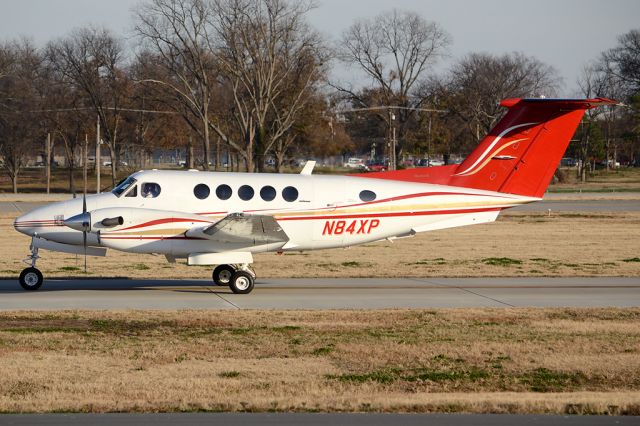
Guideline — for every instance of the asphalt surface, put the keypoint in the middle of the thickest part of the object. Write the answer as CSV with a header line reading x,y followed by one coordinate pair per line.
x,y
590,206
269,419
325,293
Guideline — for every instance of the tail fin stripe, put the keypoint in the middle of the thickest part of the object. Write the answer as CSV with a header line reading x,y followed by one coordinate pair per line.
x,y
493,144
498,151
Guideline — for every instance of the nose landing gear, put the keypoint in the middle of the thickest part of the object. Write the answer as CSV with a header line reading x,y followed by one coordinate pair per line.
x,y
239,278
31,278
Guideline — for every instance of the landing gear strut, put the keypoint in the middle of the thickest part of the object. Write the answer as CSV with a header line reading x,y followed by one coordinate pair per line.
x,y
239,278
31,278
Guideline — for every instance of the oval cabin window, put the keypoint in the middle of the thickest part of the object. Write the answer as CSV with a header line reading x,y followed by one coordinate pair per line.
x,y
224,192
245,192
268,193
290,194
367,195
201,191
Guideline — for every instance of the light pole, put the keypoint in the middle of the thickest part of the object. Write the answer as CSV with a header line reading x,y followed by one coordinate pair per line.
x,y
98,155
392,157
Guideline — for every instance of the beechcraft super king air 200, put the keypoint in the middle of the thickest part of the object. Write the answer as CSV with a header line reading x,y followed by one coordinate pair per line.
x,y
221,219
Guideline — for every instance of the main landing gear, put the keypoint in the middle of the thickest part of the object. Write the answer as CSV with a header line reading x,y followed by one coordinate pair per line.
x,y
31,278
239,278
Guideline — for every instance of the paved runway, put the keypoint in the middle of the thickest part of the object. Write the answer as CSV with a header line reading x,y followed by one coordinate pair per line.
x,y
581,206
325,293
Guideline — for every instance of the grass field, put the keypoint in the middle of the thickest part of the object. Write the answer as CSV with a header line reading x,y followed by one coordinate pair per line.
x,y
566,244
576,361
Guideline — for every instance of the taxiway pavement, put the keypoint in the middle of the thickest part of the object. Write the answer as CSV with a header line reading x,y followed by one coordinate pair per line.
x,y
325,293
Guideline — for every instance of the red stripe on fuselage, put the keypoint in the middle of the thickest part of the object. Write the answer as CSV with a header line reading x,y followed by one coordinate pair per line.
x,y
162,221
398,214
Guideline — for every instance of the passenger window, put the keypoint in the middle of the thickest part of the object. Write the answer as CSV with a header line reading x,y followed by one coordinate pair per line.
x,y
201,191
290,194
245,192
150,190
268,193
133,192
224,192
367,195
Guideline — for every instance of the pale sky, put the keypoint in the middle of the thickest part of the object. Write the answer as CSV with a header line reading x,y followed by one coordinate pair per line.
x,y
563,33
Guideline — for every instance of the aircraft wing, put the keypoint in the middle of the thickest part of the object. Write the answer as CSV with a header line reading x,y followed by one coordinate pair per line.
x,y
243,229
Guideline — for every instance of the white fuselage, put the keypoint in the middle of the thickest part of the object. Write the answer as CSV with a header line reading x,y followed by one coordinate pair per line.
x,y
328,211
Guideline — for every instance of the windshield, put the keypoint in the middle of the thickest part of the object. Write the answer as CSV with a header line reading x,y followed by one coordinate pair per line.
x,y
123,186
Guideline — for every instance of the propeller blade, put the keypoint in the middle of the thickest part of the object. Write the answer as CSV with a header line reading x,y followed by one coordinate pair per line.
x,y
84,244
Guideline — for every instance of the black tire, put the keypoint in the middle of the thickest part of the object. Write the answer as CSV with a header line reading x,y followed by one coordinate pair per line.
x,y
241,283
31,279
223,274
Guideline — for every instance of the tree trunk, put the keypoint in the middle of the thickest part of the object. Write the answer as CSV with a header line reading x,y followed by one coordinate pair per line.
x,y
189,162
206,145
14,181
112,156
217,166
279,161
72,188
259,150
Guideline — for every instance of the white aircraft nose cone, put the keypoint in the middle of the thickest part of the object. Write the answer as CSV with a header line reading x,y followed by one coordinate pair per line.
x,y
79,222
24,224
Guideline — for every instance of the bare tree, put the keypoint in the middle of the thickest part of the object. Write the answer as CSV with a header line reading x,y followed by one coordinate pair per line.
x,y
246,55
478,82
272,61
622,62
178,32
90,60
19,126
395,50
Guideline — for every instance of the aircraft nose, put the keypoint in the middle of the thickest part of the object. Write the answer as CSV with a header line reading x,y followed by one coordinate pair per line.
x,y
25,223
35,221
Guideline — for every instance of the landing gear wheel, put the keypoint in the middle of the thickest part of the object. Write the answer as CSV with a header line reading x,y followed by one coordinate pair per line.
x,y
31,279
241,282
222,274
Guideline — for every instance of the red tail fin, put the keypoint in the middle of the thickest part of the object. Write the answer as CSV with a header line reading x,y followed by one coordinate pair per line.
x,y
520,154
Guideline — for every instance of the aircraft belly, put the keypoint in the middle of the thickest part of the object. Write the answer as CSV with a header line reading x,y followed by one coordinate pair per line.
x,y
139,245
65,236
184,248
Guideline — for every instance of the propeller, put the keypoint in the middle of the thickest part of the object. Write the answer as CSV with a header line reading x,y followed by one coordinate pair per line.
x,y
81,222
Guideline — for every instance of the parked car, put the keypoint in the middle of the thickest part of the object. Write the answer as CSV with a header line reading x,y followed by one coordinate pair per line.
x,y
426,162
108,163
354,163
377,166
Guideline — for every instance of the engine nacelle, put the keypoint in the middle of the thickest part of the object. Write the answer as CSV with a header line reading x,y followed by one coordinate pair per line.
x,y
116,219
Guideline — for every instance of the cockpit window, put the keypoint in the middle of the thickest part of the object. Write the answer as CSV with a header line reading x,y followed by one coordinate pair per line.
x,y
133,192
150,190
123,186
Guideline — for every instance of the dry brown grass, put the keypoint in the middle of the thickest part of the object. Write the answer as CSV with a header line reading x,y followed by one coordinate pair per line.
x,y
517,245
472,360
